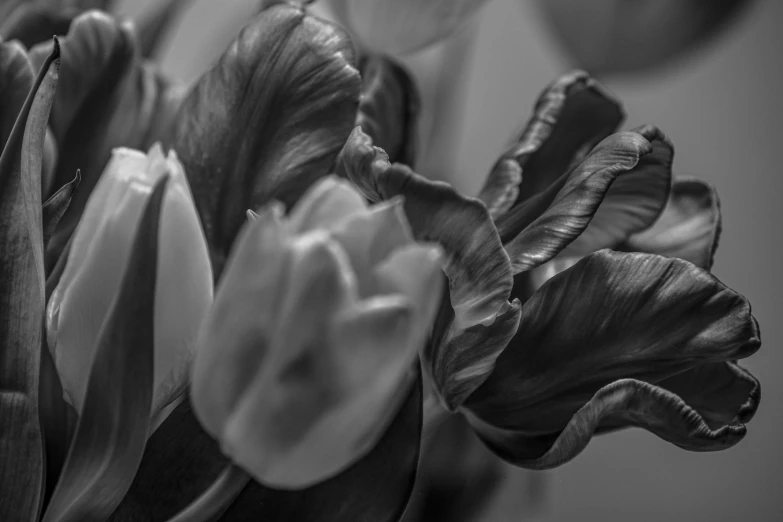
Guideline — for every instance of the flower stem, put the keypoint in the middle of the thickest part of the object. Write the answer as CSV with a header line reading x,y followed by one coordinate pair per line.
x,y
215,500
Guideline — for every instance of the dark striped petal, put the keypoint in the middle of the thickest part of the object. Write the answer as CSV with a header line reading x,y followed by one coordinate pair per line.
x,y
610,317
389,107
571,116
689,227
268,120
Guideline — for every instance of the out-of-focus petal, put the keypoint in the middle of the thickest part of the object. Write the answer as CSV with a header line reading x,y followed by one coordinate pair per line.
x,y
389,107
370,237
33,23
570,203
571,116
612,316
403,26
617,36
329,202
268,120
689,227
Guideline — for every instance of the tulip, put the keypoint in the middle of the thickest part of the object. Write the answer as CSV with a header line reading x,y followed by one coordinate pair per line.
x,y
96,261
640,336
403,26
618,36
309,348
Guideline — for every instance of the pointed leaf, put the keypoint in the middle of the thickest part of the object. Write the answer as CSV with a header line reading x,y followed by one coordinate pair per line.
x,y
571,116
268,120
181,461
689,227
112,429
612,318
389,108
56,205
22,301
107,98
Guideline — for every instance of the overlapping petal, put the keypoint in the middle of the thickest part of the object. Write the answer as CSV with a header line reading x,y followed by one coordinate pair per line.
x,y
16,80
268,120
571,116
606,340
389,107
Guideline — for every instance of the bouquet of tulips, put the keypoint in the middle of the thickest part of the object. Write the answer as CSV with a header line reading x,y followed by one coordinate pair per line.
x,y
238,301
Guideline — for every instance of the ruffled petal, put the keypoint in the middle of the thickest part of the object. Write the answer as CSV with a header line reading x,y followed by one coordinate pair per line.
x,y
638,403
551,220
571,116
612,316
689,227
476,264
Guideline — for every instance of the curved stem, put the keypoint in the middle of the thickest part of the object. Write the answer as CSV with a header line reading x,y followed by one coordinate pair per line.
x,y
217,498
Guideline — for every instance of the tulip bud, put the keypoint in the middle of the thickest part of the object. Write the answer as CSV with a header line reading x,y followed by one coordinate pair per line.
x,y
97,259
309,349
403,26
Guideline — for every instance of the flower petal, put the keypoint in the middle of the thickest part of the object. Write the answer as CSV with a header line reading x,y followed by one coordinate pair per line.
x,y
642,317
689,227
370,237
107,98
643,405
570,203
571,116
268,120
32,23
633,202
389,107
476,264
612,36
328,202
460,364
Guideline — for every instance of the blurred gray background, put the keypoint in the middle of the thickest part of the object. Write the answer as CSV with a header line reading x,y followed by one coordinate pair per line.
x,y
723,108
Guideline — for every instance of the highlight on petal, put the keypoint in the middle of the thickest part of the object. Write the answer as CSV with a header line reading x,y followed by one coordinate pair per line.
x,y
35,22
689,227
607,337
329,202
537,230
571,116
268,120
389,107
77,308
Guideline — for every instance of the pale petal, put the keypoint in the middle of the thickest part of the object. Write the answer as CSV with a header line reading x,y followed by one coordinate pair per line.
x,y
325,204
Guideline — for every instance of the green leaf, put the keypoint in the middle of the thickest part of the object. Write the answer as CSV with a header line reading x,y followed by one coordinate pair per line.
x,y
389,107
603,345
181,461
267,121
571,116
111,432
22,300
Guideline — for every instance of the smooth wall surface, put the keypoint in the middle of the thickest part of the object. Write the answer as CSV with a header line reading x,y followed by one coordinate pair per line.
x,y
723,108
